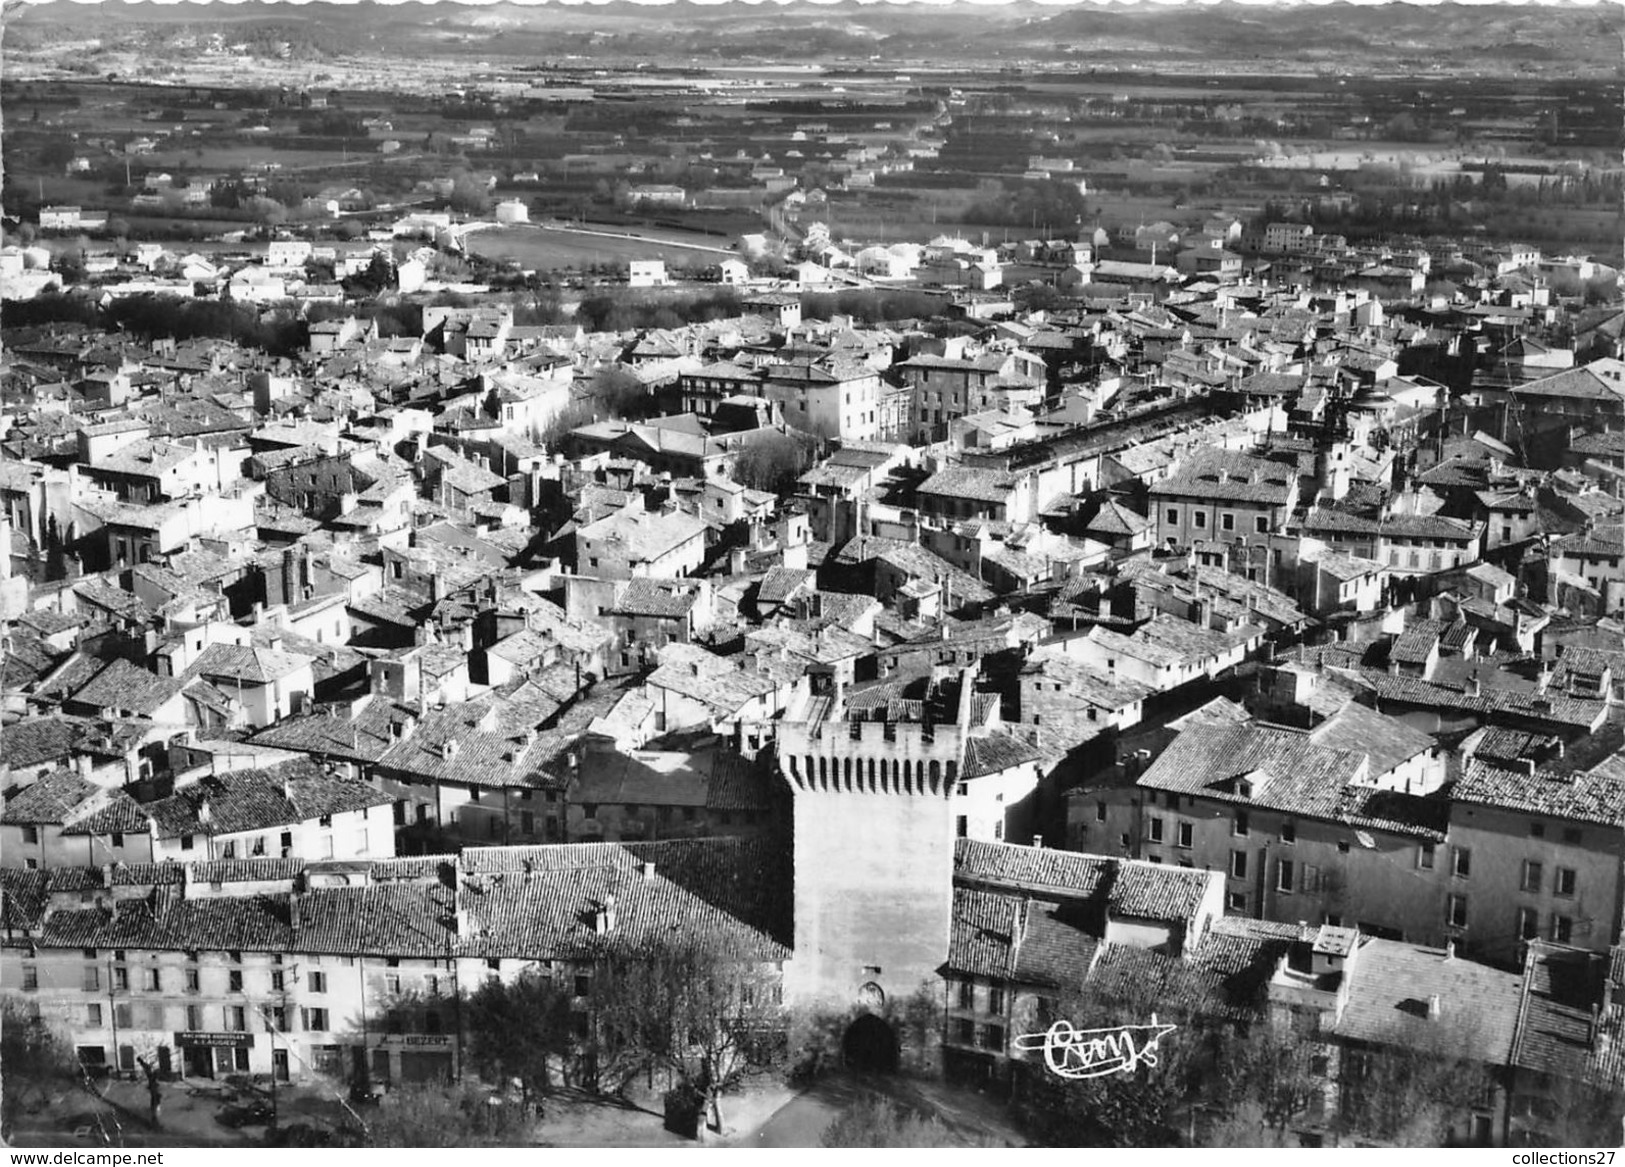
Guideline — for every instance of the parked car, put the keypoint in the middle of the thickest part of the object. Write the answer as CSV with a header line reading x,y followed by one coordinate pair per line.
x,y
246,1114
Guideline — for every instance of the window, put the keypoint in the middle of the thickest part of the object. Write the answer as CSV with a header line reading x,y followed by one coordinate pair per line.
x,y
192,985
392,983
123,1015
1537,830
93,1016
194,1017
155,981
995,1000
967,995
1238,865
1424,857
583,985
1565,882
1239,826
1283,876
1199,520
234,981
30,978
1261,524
1463,863
1186,834
30,834
1235,901
965,1032
278,981
236,1018
1342,846
1528,923
1173,516
1227,521
992,1037
1456,912
315,1019
1155,826
1562,929
118,838
93,979
121,979
1100,812
1289,832
1531,876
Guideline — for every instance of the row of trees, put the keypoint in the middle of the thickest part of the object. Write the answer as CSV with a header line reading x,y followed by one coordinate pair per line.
x,y
1221,1083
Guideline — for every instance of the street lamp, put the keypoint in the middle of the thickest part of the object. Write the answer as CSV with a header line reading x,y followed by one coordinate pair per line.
x,y
272,1028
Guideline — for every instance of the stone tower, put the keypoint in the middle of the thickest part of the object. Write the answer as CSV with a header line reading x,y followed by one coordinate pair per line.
x,y
874,849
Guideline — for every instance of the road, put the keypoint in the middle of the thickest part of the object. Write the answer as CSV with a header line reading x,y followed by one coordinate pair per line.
x,y
801,1122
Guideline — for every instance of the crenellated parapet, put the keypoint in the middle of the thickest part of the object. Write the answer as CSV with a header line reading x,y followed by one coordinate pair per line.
x,y
873,757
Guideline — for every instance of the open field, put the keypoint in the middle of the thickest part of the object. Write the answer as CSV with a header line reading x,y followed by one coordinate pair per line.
x,y
550,248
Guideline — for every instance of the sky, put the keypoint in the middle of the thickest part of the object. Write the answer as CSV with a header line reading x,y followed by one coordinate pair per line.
x,y
921,3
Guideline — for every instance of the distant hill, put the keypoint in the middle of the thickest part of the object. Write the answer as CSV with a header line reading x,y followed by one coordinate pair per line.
x,y
1583,41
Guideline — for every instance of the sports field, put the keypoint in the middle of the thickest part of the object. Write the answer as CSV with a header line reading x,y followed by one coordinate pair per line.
x,y
542,248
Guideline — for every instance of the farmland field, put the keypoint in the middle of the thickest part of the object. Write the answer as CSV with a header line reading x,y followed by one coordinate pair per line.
x,y
547,248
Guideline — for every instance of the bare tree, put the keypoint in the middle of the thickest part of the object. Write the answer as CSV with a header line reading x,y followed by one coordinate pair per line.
x,y
705,1009
35,1060
443,1116
516,1030
1413,1082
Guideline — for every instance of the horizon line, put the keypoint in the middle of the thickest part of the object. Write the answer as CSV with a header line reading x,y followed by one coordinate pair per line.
x,y
1102,4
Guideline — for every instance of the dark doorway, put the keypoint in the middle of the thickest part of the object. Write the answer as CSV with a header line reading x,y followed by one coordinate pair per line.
x,y
870,1046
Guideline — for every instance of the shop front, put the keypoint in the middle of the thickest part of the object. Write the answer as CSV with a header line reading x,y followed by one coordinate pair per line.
x,y
419,1057
213,1055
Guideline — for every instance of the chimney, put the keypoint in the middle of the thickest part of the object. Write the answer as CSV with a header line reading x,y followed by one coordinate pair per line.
x,y
1435,1007
1038,842
205,814
603,919
648,869
107,875
1450,950
293,913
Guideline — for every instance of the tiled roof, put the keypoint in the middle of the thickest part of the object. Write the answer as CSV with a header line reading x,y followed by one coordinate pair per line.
x,y
246,665
995,753
1547,708
983,933
334,732
41,739
967,482
780,583
1116,519
128,687
256,800
1125,887
1390,986
49,801
1597,796
1555,1026
1211,473
667,599
1140,974
122,814
1288,772
522,903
